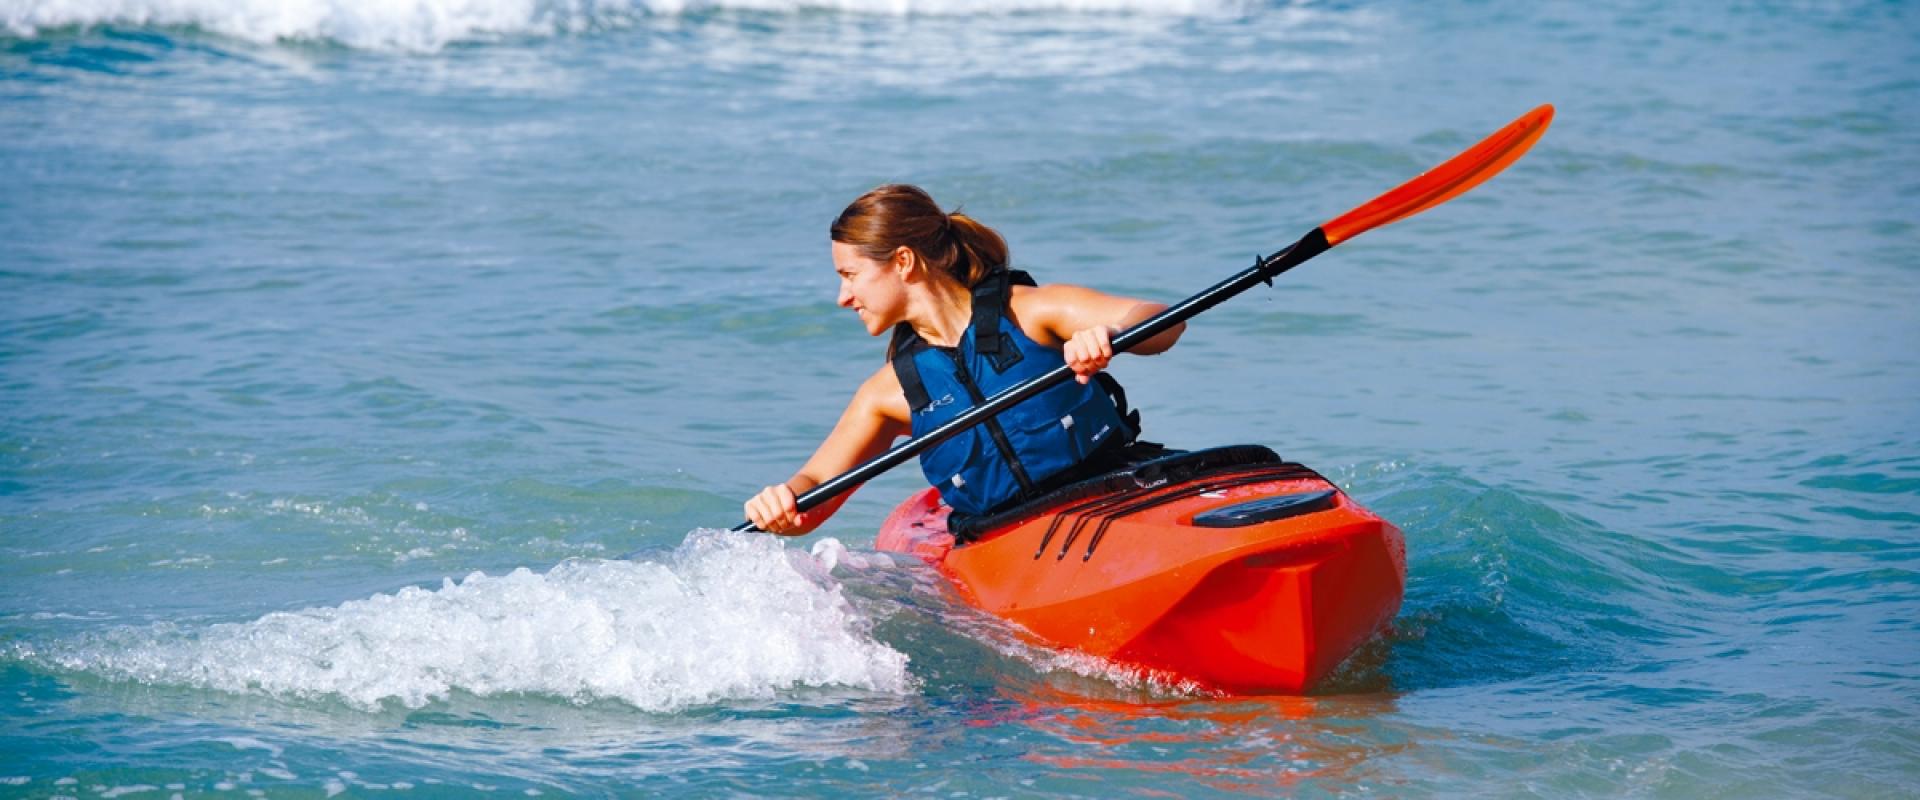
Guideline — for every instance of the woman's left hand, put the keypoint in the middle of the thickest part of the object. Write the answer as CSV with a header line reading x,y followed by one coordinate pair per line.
x,y
1089,351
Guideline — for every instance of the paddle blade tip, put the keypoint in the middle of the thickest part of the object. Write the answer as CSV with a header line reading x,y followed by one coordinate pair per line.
x,y
1451,179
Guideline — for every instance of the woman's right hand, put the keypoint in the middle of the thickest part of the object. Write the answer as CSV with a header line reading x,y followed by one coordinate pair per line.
x,y
775,510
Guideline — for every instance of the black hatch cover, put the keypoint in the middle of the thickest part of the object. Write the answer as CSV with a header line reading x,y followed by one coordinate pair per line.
x,y
1266,509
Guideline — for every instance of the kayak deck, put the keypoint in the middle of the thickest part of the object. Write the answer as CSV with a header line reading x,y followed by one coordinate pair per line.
x,y
1235,570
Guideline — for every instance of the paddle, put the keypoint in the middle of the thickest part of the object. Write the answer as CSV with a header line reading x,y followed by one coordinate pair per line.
x,y
1433,187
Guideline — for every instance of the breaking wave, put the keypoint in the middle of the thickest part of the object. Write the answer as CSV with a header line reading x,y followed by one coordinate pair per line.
x,y
727,616
432,24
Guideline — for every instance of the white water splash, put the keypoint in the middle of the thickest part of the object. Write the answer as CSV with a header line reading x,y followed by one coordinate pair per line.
x,y
830,553
426,25
729,616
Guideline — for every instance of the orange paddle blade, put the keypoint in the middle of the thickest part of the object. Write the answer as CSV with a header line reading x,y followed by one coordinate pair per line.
x,y
1444,182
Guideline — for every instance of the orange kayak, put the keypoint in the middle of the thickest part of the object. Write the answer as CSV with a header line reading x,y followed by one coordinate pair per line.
x,y
1227,567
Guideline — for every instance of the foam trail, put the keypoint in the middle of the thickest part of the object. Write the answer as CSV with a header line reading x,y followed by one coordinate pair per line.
x,y
729,616
426,25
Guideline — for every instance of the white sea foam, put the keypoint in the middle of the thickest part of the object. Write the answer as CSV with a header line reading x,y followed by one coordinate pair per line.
x,y
431,24
728,616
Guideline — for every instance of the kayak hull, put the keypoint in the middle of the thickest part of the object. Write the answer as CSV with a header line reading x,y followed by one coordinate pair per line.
x,y
1252,578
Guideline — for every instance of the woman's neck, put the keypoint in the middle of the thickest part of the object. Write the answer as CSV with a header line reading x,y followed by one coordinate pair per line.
x,y
940,311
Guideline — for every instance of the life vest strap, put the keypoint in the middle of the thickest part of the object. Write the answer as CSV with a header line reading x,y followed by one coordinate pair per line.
x,y
990,300
905,345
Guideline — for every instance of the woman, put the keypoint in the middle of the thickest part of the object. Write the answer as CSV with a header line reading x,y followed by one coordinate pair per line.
x,y
963,328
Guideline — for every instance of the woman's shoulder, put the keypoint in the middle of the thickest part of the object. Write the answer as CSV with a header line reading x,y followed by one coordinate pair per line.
x,y
881,395
1045,311
1052,293
1044,299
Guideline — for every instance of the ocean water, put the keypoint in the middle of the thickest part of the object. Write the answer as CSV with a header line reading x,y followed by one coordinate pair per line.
x,y
345,345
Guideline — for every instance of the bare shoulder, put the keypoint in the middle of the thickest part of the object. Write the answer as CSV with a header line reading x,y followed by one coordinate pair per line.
x,y
1041,299
1052,313
882,396
1041,310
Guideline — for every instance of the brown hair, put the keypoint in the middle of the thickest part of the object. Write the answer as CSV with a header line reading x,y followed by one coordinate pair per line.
x,y
898,215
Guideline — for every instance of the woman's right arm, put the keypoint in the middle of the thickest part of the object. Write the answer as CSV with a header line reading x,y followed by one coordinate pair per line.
x,y
876,416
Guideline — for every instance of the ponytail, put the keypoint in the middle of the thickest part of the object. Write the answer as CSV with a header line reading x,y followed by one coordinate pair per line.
x,y
898,215
979,250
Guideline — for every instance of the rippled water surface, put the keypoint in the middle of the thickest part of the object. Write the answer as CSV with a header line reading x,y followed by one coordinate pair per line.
x,y
345,346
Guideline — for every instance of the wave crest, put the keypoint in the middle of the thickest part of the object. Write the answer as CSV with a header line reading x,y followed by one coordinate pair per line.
x,y
729,616
426,25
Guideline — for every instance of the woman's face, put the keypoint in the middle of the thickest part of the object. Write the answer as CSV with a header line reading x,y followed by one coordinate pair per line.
x,y
873,289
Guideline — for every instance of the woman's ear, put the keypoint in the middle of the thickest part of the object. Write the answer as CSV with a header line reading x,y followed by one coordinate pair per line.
x,y
905,263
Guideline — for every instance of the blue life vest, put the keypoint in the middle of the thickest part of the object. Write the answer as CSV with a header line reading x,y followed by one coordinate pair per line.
x,y
1010,457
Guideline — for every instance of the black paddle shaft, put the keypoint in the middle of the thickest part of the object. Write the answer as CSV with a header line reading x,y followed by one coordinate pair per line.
x,y
1263,271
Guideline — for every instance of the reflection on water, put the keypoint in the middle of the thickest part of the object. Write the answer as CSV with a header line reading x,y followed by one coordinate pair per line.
x,y
1263,745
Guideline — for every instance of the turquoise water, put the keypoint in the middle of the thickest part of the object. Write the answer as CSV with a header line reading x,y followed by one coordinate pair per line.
x,y
344,346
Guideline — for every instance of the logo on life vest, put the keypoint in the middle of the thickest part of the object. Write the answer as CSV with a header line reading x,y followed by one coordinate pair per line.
x,y
944,401
1104,430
